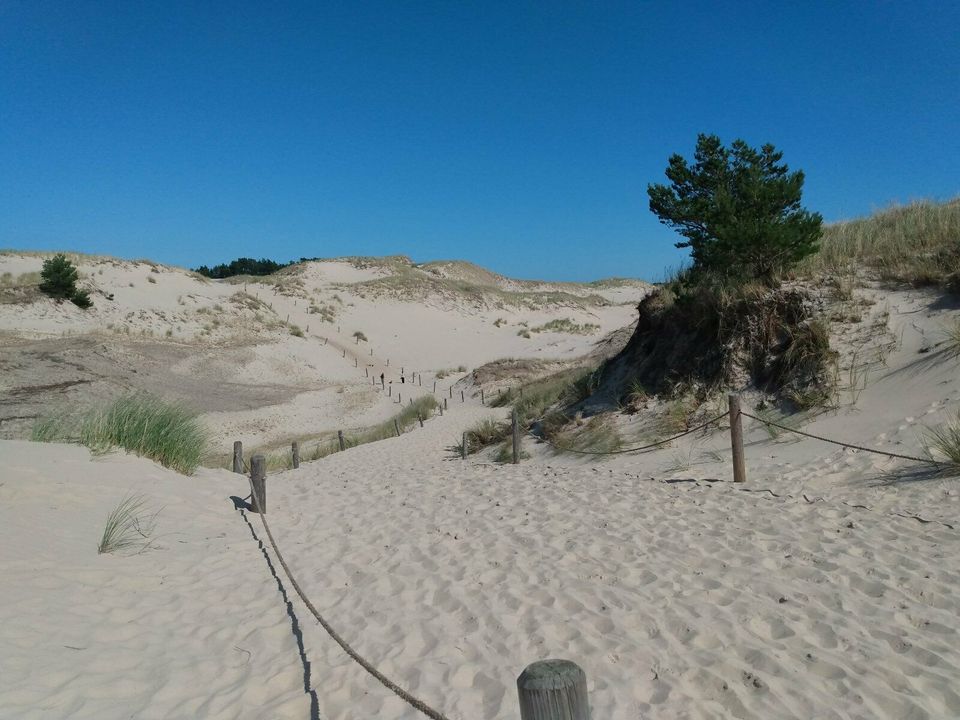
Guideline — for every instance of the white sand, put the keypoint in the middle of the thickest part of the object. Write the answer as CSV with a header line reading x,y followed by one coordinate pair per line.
x,y
810,592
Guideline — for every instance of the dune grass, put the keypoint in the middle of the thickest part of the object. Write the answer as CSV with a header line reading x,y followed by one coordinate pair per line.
x,y
128,525
596,435
942,443
915,244
140,423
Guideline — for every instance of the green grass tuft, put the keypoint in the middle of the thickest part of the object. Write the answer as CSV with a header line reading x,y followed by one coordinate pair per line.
x,y
127,526
943,443
141,424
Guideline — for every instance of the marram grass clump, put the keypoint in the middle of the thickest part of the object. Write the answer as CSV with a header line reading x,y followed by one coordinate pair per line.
x,y
943,443
140,423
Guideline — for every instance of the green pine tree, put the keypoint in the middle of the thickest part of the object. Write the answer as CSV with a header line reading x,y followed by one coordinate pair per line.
x,y
739,210
58,278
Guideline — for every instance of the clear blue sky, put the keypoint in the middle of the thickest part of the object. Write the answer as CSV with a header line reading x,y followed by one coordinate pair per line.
x,y
518,135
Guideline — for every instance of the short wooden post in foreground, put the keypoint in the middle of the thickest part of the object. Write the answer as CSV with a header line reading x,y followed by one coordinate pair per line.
x,y
462,397
463,447
736,439
258,478
343,444
420,418
390,392
445,406
441,410
482,401
515,421
344,353
396,426
295,451
238,457
366,372
451,392
553,690
419,380
434,385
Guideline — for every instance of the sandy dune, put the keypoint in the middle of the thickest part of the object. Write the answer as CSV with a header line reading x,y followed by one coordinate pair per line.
x,y
825,587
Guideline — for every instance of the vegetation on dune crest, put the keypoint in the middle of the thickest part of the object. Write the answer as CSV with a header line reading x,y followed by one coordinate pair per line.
x,y
917,244
58,279
738,208
141,424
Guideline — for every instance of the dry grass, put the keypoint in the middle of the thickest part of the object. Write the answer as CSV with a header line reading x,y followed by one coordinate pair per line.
x,y
915,244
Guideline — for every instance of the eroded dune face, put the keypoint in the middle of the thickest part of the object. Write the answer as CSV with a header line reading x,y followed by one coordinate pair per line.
x,y
290,355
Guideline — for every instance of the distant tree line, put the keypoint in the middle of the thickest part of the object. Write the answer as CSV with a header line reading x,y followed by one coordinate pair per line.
x,y
246,266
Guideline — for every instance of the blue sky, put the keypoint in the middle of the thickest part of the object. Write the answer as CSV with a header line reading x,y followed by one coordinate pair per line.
x,y
518,135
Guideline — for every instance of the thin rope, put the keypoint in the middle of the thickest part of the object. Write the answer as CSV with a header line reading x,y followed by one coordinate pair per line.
x,y
929,461
387,682
636,449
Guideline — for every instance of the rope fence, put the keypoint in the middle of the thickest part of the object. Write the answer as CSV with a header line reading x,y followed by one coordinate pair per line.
x,y
549,689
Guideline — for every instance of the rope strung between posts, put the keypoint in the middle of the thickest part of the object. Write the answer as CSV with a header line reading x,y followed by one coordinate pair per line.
x,y
387,682
636,449
929,461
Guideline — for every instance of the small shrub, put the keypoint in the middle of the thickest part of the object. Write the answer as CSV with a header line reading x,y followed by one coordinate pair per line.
x,y
58,278
296,331
81,298
152,280
951,335
498,322
360,336
524,334
127,526
486,432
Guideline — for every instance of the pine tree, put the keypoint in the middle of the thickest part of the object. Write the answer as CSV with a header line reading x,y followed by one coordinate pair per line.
x,y
739,209
58,278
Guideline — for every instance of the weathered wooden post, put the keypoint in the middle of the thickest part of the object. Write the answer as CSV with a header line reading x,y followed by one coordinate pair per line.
x,y
463,447
396,426
420,380
343,443
462,397
736,439
553,690
434,385
238,456
441,410
388,362
445,406
295,452
482,401
258,478
390,392
451,392
420,418
366,372
515,421
399,398
344,353
355,363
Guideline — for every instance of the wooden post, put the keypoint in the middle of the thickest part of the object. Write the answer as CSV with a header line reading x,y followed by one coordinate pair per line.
x,y
344,353
462,397
441,410
482,401
553,690
396,426
451,392
258,476
295,451
399,398
419,380
388,362
515,421
238,457
366,372
355,362
434,385
445,406
736,439
420,418
390,391
371,352
463,447
343,444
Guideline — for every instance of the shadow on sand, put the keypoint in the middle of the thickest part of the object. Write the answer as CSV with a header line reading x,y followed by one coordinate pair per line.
x,y
243,507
